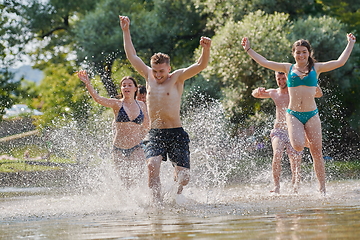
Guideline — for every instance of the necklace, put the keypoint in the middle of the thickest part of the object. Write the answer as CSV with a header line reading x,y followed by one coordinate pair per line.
x,y
303,72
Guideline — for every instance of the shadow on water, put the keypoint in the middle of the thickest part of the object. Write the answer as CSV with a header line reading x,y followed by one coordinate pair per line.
x,y
228,195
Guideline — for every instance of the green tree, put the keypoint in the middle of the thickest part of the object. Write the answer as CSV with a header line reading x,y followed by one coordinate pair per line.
x,y
29,93
64,97
238,74
8,86
347,11
99,37
218,12
8,90
46,25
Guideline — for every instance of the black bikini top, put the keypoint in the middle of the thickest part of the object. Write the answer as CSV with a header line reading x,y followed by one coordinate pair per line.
x,y
123,117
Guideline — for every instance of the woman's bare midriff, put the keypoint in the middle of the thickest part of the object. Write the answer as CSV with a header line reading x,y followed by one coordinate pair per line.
x,y
128,135
302,98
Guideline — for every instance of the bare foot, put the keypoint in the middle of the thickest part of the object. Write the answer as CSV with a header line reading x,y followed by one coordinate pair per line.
x,y
323,192
296,188
156,197
276,190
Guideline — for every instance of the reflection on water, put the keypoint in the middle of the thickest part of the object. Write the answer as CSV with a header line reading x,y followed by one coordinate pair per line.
x,y
239,212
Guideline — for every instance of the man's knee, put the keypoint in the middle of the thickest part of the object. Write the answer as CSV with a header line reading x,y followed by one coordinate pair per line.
x,y
277,154
153,164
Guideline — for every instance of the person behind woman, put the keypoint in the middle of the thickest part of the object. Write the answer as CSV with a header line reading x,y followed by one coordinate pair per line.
x,y
131,123
141,95
302,116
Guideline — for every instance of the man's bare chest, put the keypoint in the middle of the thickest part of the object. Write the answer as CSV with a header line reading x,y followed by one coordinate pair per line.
x,y
281,100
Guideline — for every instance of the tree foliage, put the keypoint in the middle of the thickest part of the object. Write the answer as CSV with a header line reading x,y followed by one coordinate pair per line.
x,y
64,97
8,86
231,65
347,11
218,12
89,31
8,90
45,25
99,37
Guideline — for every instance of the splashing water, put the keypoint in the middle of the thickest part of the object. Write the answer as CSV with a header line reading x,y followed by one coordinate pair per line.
x,y
216,157
229,181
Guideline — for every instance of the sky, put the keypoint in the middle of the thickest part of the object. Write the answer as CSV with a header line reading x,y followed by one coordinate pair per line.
x,y
26,71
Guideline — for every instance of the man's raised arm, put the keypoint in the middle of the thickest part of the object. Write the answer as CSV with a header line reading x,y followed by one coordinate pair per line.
x,y
130,51
202,63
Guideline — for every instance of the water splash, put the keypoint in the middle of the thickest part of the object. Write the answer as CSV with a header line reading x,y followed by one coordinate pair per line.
x,y
224,169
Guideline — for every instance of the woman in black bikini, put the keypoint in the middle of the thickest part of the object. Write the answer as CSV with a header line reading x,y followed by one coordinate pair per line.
x,y
131,123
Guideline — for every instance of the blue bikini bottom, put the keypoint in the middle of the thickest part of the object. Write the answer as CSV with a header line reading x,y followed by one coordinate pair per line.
x,y
126,152
303,116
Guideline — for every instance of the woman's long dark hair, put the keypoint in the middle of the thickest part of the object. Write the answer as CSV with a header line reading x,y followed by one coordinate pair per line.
x,y
305,43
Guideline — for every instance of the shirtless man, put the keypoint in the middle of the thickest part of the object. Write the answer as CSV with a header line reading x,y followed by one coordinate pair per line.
x,y
279,134
166,138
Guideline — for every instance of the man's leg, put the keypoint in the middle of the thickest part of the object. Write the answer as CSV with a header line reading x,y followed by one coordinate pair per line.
x,y
179,153
278,148
182,177
154,164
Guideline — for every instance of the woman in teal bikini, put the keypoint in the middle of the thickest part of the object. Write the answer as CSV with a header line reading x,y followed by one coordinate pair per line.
x,y
302,114
131,123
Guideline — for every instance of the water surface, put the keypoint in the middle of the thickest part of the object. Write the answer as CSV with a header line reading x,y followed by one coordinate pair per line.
x,y
247,211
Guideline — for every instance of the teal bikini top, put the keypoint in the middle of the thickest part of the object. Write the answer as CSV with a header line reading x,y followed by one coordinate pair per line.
x,y
310,80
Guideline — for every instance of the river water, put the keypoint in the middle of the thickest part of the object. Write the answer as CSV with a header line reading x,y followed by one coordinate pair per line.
x,y
246,211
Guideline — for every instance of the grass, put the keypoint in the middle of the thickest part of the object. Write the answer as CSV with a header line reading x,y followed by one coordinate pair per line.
x,y
334,169
20,164
23,166
343,170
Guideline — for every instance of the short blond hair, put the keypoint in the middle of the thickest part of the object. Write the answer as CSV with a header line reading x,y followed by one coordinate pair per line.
x,y
159,58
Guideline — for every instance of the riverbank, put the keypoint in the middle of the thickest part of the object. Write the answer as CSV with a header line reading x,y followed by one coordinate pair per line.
x,y
49,174
49,178
27,159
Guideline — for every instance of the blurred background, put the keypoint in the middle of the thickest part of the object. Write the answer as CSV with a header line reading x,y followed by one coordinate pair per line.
x,y
44,42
